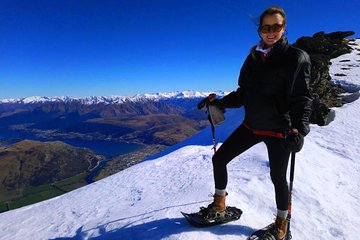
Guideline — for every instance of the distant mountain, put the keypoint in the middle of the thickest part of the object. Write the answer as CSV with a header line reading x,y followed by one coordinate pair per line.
x,y
164,118
93,100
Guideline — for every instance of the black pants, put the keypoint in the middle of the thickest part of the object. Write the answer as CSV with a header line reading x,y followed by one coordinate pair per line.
x,y
241,140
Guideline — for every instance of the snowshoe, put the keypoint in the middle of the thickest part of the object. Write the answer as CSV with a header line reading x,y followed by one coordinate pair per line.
x,y
207,217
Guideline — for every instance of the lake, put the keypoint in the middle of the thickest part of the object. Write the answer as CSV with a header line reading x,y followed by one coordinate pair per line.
x,y
106,148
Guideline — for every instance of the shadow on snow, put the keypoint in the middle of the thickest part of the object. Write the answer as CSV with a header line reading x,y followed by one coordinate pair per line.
x,y
159,229
156,229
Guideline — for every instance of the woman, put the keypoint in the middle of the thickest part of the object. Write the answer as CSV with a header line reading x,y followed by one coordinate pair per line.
x,y
273,88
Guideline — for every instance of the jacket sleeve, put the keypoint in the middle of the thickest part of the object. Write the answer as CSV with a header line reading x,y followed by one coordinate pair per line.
x,y
235,99
300,96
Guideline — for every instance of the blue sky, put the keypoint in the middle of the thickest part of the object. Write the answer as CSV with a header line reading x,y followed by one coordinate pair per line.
x,y
125,47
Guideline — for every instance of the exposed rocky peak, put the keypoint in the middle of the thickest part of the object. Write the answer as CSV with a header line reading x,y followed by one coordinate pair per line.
x,y
322,48
331,45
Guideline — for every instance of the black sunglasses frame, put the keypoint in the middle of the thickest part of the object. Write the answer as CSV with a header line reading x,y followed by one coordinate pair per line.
x,y
271,28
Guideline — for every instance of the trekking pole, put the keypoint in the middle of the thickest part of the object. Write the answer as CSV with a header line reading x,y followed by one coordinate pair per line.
x,y
213,134
205,102
292,170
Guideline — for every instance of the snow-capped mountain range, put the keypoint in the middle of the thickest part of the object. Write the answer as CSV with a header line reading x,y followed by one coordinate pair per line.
x,y
112,99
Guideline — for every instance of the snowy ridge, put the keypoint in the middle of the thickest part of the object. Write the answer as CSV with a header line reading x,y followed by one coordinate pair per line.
x,y
341,70
144,201
112,99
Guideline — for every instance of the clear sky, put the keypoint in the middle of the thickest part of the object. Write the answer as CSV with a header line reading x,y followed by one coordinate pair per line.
x,y
125,47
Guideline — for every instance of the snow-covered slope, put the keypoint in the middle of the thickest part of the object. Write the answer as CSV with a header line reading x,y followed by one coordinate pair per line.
x,y
144,201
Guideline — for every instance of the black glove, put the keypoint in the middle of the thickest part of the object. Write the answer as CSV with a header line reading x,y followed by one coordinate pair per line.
x,y
294,141
206,101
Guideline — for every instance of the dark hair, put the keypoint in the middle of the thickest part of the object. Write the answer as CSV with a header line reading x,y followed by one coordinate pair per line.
x,y
271,11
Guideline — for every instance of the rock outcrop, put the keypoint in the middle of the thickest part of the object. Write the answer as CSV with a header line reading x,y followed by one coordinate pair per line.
x,y
322,47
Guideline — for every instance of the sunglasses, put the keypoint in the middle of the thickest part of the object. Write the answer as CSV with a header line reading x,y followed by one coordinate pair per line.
x,y
268,28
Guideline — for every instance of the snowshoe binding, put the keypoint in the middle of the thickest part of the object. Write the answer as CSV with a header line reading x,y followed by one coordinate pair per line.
x,y
269,233
207,216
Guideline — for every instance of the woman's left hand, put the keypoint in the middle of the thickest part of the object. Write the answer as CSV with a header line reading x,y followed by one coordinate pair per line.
x,y
294,141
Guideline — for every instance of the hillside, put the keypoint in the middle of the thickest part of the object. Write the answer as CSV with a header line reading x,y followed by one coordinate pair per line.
x,y
145,200
31,163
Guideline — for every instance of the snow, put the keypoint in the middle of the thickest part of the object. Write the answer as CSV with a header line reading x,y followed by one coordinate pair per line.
x,y
343,65
113,99
144,201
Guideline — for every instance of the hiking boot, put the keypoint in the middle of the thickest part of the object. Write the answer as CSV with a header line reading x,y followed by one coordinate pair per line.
x,y
277,230
216,209
280,228
219,203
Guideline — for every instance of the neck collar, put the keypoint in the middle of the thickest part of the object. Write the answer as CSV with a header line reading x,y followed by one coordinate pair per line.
x,y
260,47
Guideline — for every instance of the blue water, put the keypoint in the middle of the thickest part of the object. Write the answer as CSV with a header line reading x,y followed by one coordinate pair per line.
x,y
90,177
106,148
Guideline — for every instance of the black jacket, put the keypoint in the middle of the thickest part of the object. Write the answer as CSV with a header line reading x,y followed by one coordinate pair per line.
x,y
275,91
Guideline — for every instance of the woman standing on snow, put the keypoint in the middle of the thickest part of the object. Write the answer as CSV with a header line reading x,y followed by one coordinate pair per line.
x,y
273,88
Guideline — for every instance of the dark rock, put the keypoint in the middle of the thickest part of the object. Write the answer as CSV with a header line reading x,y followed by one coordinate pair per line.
x,y
319,113
340,34
330,117
321,48
340,75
